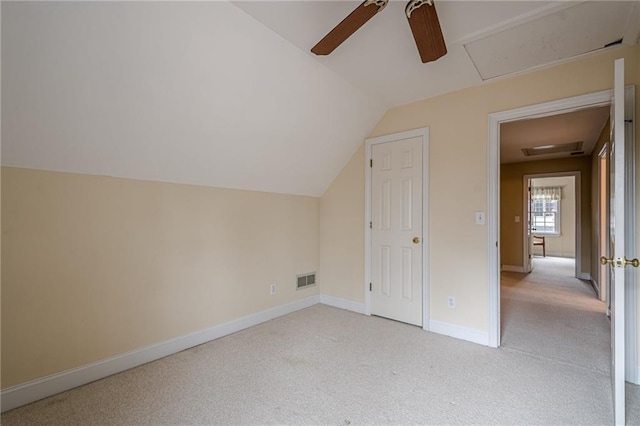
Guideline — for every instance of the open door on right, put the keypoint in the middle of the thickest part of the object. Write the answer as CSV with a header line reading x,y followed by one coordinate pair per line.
x,y
618,261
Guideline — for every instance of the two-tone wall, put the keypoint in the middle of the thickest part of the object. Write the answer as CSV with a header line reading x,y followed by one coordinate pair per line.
x,y
97,266
458,180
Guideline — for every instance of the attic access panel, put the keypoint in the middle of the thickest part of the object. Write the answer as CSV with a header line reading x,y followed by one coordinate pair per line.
x,y
570,32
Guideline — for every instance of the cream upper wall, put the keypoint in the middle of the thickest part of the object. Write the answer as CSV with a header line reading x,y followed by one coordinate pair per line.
x,y
97,266
458,175
563,245
340,235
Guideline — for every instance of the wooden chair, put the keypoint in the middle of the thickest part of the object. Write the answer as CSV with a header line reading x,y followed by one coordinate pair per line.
x,y
539,241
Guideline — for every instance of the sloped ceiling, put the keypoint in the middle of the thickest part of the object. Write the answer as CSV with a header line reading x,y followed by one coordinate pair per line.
x,y
195,92
227,94
509,36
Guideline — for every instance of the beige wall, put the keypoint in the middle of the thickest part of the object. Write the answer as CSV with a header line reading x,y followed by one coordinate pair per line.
x,y
563,245
340,235
96,266
511,204
458,177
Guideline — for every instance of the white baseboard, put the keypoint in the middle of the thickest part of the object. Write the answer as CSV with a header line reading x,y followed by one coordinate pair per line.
x,y
337,302
511,268
459,332
594,285
24,393
584,276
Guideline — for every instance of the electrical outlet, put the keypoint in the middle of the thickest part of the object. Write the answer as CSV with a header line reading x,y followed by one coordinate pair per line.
x,y
273,289
451,302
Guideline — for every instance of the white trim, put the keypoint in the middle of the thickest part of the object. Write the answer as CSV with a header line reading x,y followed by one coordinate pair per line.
x,y
24,393
424,134
585,276
575,103
459,332
632,374
513,268
595,286
340,303
493,222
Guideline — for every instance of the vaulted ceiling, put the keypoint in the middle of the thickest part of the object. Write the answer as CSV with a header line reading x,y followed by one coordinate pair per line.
x,y
228,94
186,92
485,40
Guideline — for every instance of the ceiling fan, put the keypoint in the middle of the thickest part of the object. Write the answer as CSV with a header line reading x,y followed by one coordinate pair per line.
x,y
422,18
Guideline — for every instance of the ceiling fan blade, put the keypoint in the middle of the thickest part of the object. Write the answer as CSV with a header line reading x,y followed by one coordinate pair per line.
x,y
426,30
348,26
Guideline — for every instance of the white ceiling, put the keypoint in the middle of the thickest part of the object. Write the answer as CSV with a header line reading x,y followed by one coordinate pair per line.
x,y
186,92
212,94
381,57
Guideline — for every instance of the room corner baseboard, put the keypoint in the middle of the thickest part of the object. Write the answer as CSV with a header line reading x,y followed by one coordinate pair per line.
x,y
584,276
459,332
337,302
595,287
25,393
512,268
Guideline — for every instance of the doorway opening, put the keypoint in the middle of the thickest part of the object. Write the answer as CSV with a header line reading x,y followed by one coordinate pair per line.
x,y
552,220
496,220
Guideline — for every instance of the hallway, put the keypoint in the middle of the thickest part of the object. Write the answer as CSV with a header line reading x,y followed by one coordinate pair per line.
x,y
551,314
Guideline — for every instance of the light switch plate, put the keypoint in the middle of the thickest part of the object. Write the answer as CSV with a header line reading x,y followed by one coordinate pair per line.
x,y
517,219
480,218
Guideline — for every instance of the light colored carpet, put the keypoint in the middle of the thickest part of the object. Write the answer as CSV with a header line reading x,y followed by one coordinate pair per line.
x,y
324,365
551,314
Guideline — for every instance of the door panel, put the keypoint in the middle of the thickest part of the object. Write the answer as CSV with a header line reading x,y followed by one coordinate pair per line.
x,y
396,230
616,237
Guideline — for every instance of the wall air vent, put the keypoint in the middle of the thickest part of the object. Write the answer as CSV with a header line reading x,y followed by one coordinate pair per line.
x,y
552,149
306,280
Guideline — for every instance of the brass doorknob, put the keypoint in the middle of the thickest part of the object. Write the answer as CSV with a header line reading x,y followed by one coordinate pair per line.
x,y
633,262
416,240
622,262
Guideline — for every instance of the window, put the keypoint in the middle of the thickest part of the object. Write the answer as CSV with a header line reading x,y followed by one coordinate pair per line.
x,y
545,210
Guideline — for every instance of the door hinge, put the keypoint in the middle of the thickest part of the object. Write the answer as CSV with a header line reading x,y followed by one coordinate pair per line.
x,y
371,162
370,225
370,287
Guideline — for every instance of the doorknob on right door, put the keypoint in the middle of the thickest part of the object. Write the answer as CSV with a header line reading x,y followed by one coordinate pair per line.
x,y
621,262
633,262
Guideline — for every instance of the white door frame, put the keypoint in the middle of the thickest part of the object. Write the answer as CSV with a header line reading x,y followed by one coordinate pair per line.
x,y
424,134
576,103
577,217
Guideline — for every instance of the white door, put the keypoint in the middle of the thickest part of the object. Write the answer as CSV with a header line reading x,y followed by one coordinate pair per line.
x,y
529,253
617,234
396,230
